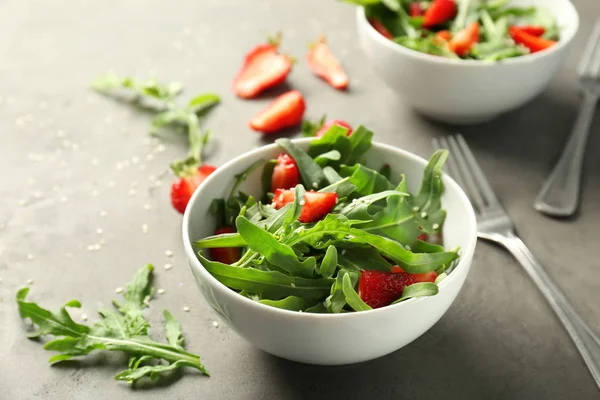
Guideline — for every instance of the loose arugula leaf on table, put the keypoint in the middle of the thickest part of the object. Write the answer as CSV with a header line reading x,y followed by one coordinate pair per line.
x,y
124,329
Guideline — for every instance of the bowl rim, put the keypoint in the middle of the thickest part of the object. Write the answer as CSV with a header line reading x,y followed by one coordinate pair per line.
x,y
361,19
464,260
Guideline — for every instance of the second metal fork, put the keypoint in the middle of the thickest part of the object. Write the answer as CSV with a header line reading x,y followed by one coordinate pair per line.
x,y
494,224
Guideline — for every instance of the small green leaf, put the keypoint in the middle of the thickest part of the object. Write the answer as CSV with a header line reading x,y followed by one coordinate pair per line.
x,y
222,240
292,303
329,262
359,258
203,102
352,298
336,301
294,212
173,331
418,290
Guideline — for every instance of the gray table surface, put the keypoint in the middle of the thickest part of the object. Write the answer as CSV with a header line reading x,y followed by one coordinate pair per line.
x,y
68,154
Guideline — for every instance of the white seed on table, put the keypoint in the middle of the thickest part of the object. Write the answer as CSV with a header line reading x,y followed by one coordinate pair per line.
x,y
29,281
132,192
144,228
23,202
30,256
119,290
95,193
169,253
97,247
147,207
135,160
75,146
160,291
103,213
158,182
111,183
168,266
186,309
42,105
108,119
102,242
99,231
95,161
149,157
215,324
90,247
142,167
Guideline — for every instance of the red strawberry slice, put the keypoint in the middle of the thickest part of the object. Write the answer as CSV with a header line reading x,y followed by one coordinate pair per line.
x,y
380,27
323,63
286,174
439,12
263,68
186,184
225,255
532,42
424,277
316,204
534,30
463,41
380,289
331,123
415,9
284,112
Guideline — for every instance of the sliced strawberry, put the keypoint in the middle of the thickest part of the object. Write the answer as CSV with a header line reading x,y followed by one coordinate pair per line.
x,y
439,12
263,68
331,123
380,289
323,63
284,112
424,277
186,184
534,30
316,204
443,36
533,43
415,9
286,174
463,41
225,255
380,27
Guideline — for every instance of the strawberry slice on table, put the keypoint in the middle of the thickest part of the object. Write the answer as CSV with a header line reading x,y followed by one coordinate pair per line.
x,y
380,27
463,41
415,9
439,11
263,68
189,178
380,289
533,43
323,63
225,255
534,30
284,112
316,204
286,174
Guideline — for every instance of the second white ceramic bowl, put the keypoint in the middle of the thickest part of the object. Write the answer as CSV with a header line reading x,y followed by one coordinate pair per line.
x,y
329,339
467,91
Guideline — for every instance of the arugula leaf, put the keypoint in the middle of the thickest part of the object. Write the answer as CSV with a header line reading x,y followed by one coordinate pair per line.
x,y
329,262
418,290
429,214
352,298
292,303
277,253
203,102
336,301
222,240
351,148
311,173
310,129
294,212
122,330
359,258
366,180
268,284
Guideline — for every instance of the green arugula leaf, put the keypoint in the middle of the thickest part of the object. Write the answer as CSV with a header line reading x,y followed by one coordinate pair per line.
x,y
292,303
351,148
367,181
418,290
310,129
352,298
203,102
173,331
293,213
336,301
311,173
329,262
429,214
359,258
222,240
268,284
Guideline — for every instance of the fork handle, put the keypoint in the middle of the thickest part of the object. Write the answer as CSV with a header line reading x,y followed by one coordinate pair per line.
x,y
586,341
559,196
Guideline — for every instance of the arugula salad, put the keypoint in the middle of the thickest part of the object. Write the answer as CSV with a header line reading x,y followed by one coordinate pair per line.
x,y
330,234
488,30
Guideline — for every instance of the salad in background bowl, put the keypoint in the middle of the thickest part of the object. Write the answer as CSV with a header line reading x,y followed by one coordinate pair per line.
x,y
342,261
474,59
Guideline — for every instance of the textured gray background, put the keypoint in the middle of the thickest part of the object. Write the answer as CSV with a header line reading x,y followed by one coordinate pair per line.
x,y
61,145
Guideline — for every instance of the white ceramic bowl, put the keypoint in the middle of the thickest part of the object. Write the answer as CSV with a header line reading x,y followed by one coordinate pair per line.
x,y
329,339
467,91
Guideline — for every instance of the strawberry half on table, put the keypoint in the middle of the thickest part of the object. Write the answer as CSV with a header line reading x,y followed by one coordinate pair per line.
x,y
325,65
263,68
380,289
225,255
286,174
189,177
285,111
316,204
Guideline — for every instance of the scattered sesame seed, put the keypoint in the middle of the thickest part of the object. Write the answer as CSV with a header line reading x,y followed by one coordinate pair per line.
x,y
168,266
29,281
0,279
37,195
75,146
187,31
147,207
160,291
293,284
90,247
97,247
158,182
111,183
30,256
407,247
99,231
103,213
132,192
343,251
144,228
95,193
119,290
102,242
415,209
423,214
160,148
135,160
436,227
186,309
178,45
84,317
63,199
302,202
169,253
149,157
315,185
215,324
119,166
95,161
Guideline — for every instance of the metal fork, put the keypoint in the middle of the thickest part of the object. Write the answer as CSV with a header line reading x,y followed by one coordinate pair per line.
x,y
494,224
559,196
